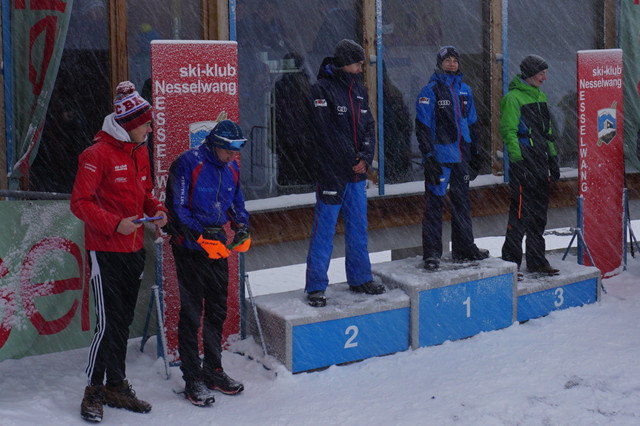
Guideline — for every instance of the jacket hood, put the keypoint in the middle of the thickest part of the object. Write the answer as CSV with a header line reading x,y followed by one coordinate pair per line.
x,y
110,126
328,69
519,84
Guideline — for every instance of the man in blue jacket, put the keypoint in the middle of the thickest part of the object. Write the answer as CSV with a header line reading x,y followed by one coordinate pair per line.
x,y
447,136
344,132
203,194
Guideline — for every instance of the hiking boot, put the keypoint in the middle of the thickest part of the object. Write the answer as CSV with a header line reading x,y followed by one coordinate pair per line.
x,y
475,254
197,393
368,288
220,381
432,264
317,299
92,404
545,270
123,396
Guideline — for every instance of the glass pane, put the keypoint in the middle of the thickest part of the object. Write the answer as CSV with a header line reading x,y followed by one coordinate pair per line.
x,y
412,34
277,65
556,33
157,20
80,99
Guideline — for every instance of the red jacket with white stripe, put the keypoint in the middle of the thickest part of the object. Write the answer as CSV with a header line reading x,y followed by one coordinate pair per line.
x,y
113,182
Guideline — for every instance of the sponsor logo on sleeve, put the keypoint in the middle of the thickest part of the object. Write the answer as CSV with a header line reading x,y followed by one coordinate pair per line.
x,y
320,103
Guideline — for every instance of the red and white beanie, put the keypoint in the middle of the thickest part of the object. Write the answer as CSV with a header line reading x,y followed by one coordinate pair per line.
x,y
131,109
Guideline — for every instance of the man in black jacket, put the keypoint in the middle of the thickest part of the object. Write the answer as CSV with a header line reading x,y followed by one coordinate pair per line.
x,y
344,132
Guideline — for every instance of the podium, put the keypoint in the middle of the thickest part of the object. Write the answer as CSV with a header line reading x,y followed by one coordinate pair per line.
x,y
458,301
352,327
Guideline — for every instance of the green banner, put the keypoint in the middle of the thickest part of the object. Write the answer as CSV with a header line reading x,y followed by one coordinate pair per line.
x,y
45,303
630,45
38,32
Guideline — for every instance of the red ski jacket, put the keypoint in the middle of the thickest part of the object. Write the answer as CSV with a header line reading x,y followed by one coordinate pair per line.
x,y
113,182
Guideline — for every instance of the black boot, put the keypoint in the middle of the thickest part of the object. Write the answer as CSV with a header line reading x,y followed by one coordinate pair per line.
x,y
368,288
317,299
220,381
197,393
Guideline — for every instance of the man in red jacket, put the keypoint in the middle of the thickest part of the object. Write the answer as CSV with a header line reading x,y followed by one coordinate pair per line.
x,y
112,191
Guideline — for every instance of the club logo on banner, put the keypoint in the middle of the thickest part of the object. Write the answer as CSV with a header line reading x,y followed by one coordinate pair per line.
x,y
601,156
195,86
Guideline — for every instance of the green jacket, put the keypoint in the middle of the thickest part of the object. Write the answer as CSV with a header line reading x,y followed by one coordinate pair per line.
x,y
525,126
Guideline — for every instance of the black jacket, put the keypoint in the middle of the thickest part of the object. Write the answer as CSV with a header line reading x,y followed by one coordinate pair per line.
x,y
344,129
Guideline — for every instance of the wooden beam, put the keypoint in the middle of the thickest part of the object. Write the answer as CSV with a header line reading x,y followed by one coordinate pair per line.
x,y
610,27
370,69
118,53
215,19
495,20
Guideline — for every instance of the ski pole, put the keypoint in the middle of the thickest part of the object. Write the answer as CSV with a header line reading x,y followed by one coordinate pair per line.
x,y
255,314
161,330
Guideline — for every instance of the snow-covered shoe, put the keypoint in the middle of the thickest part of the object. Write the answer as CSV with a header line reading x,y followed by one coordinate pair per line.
x,y
92,404
475,254
368,288
220,381
123,396
544,270
198,394
317,299
432,264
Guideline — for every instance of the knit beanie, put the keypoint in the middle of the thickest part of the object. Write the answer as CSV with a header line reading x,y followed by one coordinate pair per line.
x,y
532,65
347,52
444,53
131,109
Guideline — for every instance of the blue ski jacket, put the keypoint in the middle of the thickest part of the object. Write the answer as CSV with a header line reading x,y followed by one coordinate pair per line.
x,y
202,191
446,119
344,129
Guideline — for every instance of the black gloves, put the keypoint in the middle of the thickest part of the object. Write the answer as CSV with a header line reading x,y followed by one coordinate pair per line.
x,y
554,168
242,240
432,170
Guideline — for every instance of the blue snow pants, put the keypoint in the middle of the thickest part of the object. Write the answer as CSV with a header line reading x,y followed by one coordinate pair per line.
x,y
357,264
457,177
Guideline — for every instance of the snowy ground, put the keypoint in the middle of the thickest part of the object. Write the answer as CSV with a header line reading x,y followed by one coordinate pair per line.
x,y
574,367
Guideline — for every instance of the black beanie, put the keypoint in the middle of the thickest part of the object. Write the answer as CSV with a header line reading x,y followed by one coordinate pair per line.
x,y
444,53
347,52
532,65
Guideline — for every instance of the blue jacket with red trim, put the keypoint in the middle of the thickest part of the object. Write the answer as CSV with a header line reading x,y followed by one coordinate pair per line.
x,y
344,128
446,119
202,191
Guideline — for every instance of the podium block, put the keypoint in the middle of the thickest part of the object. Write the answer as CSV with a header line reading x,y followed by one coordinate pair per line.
x,y
576,285
458,301
351,327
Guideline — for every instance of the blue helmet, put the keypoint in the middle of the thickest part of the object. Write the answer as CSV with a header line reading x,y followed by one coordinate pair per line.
x,y
226,135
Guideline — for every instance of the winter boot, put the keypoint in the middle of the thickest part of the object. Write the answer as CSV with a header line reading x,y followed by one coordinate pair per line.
x,y
544,270
317,299
123,396
220,381
474,254
368,288
92,403
197,393
432,264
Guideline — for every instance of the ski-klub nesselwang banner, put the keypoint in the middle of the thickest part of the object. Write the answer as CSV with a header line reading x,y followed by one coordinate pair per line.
x,y
194,86
601,156
38,33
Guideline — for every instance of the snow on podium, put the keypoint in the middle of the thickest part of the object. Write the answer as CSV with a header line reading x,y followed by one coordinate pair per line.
x,y
420,308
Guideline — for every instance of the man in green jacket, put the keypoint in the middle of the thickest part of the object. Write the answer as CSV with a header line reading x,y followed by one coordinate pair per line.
x,y
525,127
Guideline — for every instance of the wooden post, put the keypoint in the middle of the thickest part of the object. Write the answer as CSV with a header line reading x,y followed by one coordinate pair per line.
x,y
497,167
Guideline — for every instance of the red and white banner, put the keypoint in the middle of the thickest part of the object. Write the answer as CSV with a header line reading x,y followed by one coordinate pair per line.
x,y
601,156
194,85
